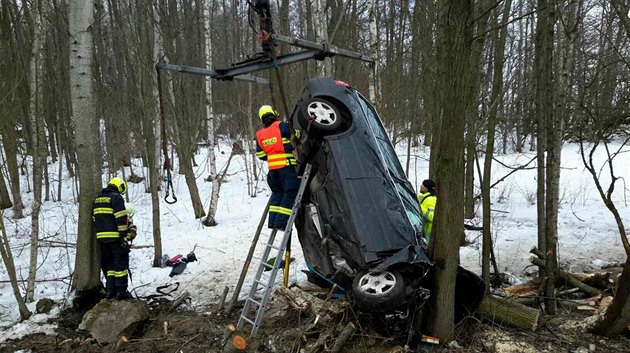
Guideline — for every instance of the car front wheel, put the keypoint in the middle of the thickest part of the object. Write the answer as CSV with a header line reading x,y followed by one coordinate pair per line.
x,y
378,291
323,115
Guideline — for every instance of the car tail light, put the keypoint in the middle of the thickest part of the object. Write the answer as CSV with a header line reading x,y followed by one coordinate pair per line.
x,y
341,83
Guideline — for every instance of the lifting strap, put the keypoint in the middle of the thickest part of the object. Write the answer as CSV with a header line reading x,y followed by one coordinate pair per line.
x,y
168,180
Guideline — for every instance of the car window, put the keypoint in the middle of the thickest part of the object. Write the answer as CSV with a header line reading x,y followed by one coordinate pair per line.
x,y
403,187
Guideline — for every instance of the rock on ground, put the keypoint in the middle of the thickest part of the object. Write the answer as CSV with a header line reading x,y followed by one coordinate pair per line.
x,y
110,319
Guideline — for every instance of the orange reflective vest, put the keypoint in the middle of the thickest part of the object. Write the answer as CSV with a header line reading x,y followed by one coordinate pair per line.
x,y
272,143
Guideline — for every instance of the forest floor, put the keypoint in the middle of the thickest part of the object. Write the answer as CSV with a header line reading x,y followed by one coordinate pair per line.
x,y
202,329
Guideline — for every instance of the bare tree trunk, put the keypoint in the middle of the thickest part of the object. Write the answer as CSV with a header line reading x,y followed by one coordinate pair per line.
x,y
482,12
614,320
321,33
455,43
5,200
210,220
7,258
86,275
495,97
375,84
9,143
37,147
543,74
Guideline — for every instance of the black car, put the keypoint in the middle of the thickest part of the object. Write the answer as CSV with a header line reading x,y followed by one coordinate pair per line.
x,y
360,225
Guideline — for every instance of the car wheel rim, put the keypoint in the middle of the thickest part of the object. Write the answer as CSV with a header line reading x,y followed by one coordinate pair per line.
x,y
322,113
377,283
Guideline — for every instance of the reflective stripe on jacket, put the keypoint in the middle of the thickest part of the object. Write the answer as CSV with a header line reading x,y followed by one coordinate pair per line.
x,y
274,148
110,216
427,208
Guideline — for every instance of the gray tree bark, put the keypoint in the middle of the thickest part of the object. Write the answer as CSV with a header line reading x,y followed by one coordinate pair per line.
x,y
455,42
495,97
86,275
7,258
37,148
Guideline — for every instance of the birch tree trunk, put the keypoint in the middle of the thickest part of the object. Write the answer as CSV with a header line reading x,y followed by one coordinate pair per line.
x,y
374,87
210,220
7,258
86,275
324,68
37,146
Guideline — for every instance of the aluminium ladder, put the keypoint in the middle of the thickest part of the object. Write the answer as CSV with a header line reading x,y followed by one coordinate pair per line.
x,y
259,305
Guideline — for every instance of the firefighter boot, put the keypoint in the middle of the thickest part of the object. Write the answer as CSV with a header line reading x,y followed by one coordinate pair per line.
x,y
110,287
124,295
121,289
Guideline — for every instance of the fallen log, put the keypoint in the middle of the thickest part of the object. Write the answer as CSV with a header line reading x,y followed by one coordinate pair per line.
x,y
505,312
521,290
599,280
569,279
345,335
179,300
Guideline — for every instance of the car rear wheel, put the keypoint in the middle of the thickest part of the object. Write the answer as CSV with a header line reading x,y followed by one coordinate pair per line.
x,y
324,116
378,291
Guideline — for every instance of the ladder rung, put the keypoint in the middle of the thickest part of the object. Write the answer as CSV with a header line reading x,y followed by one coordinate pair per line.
x,y
244,318
254,301
266,284
267,265
273,246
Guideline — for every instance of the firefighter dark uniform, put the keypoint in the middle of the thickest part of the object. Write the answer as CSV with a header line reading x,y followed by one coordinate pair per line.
x,y
273,145
111,226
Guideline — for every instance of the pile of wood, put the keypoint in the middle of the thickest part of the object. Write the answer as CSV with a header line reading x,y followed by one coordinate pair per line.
x,y
580,291
325,325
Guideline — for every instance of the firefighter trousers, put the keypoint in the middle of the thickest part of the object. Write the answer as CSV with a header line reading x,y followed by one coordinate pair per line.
x,y
115,263
284,185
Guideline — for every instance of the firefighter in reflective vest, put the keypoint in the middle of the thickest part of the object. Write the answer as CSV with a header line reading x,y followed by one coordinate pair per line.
x,y
273,144
427,200
113,233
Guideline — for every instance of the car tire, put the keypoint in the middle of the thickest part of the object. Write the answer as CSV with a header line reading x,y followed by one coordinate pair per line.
x,y
378,291
324,115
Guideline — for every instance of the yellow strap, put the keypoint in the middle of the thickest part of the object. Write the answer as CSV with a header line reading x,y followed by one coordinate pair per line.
x,y
122,228
111,273
120,213
101,235
261,154
103,210
274,164
121,273
280,155
284,210
285,140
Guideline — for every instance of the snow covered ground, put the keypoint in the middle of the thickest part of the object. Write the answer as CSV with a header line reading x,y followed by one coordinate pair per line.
x,y
587,230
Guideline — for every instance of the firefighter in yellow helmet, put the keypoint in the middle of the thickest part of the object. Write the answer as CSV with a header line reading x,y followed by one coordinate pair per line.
x,y
273,144
114,232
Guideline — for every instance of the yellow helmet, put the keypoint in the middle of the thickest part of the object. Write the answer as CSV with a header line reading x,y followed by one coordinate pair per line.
x,y
120,184
267,109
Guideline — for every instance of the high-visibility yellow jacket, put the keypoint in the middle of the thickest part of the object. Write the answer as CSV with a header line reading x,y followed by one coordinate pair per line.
x,y
427,208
